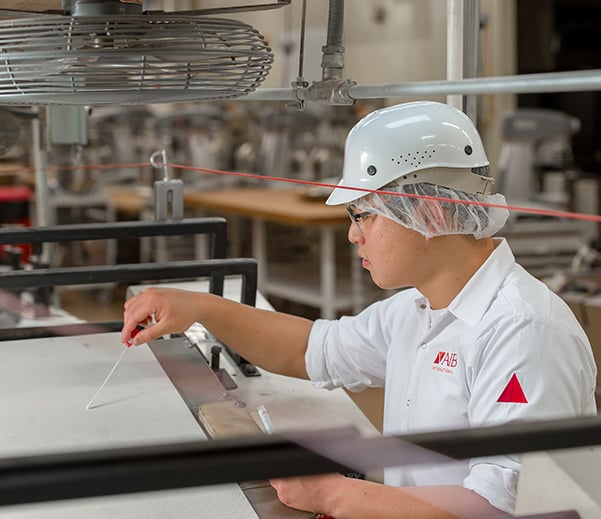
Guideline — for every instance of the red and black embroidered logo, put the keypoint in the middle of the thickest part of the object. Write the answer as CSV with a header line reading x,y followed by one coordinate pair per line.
x,y
445,362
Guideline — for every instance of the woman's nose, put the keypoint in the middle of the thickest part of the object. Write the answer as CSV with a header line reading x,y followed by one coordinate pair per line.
x,y
354,233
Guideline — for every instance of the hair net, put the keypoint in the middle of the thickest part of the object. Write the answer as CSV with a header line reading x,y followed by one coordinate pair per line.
x,y
433,218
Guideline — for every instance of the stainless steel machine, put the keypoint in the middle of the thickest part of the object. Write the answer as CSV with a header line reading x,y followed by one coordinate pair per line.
x,y
537,170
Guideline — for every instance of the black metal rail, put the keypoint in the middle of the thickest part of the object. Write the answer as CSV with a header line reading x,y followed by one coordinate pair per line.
x,y
37,236
129,470
215,269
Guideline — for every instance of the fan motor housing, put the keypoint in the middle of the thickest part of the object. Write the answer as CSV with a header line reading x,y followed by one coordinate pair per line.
x,y
102,7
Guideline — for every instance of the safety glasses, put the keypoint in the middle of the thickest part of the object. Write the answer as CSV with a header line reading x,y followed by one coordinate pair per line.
x,y
357,218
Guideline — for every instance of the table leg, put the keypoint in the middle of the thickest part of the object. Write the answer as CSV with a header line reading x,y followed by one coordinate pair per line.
x,y
259,251
327,258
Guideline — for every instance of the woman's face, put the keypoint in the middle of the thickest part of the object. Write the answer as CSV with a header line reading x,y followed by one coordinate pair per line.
x,y
395,256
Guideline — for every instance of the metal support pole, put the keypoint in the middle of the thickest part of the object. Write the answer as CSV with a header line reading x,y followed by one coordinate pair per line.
x,y
42,204
455,19
471,54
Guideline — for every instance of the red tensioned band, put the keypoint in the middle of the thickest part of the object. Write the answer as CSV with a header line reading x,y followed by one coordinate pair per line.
x,y
514,208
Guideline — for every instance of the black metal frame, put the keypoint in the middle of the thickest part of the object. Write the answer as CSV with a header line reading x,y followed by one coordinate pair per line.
x,y
37,236
159,467
215,269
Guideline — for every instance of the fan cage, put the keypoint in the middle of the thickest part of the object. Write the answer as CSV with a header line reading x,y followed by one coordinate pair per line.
x,y
129,59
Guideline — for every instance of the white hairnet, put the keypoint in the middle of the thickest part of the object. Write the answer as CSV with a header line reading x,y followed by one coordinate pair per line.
x,y
433,218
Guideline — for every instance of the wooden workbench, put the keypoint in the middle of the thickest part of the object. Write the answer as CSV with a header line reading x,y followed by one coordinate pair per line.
x,y
287,206
291,207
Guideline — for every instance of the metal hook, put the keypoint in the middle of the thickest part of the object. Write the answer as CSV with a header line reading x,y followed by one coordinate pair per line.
x,y
168,194
153,161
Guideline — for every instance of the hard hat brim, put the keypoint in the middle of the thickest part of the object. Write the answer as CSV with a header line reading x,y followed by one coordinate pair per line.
x,y
344,195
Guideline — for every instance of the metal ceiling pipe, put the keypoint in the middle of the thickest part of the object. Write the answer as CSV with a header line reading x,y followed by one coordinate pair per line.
x,y
333,52
576,81
332,89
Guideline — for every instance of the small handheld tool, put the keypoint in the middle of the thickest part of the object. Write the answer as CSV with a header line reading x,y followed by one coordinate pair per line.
x,y
265,419
127,346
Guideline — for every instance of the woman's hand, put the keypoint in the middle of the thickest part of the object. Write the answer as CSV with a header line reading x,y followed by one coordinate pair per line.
x,y
160,311
309,493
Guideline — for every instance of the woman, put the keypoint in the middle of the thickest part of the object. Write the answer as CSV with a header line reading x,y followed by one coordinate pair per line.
x,y
472,340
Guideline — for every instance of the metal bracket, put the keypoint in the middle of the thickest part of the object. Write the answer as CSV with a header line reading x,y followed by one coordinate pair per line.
x,y
332,91
168,193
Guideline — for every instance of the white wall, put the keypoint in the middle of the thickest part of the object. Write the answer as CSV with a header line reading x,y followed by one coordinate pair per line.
x,y
406,44
386,41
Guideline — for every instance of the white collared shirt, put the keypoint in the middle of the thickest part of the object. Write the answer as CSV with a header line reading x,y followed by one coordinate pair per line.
x,y
503,325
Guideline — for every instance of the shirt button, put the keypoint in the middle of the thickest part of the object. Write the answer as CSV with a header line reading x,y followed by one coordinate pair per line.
x,y
423,346
423,306
408,402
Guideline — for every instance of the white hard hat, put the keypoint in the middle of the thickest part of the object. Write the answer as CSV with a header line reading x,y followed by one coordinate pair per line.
x,y
411,143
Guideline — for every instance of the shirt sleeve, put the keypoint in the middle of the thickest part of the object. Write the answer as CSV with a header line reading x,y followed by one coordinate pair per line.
x,y
528,370
531,370
349,352
495,479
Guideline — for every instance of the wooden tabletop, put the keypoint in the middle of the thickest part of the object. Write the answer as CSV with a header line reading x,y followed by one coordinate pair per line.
x,y
289,206
130,201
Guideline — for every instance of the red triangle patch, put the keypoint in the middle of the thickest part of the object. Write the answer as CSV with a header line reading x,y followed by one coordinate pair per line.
x,y
513,392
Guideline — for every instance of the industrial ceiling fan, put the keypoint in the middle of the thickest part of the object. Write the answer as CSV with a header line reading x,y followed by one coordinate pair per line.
x,y
97,52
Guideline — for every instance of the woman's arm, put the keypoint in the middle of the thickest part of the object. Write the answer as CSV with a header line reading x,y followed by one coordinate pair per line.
x,y
346,498
273,340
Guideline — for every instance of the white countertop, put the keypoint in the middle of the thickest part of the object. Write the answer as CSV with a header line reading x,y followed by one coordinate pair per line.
x,y
45,385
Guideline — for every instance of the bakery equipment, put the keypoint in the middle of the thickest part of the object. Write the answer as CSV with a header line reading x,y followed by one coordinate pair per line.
x,y
537,170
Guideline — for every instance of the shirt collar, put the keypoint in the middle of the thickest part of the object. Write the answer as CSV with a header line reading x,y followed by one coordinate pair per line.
x,y
475,297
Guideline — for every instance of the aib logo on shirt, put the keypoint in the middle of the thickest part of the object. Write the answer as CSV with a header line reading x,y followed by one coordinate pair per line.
x,y
445,362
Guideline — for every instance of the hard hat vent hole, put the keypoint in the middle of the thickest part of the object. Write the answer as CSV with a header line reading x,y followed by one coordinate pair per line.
x,y
416,160
468,150
371,170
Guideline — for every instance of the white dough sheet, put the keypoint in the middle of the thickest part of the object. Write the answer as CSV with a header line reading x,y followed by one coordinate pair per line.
x,y
45,385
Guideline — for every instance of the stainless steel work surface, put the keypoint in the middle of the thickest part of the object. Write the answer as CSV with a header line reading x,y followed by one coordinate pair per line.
x,y
45,385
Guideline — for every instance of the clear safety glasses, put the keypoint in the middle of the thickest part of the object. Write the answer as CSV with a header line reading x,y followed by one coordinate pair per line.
x,y
357,218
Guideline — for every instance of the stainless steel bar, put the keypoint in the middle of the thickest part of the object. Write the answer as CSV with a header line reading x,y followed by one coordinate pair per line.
x,y
523,83
579,81
455,31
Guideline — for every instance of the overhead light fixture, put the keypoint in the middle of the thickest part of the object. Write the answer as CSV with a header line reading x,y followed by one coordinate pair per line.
x,y
153,57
